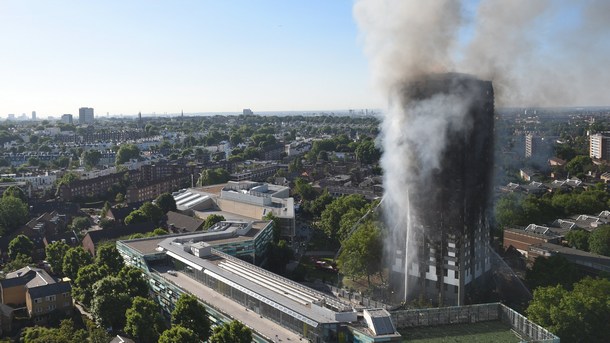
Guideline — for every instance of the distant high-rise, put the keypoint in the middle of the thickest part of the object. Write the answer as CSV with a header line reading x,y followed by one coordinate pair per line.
x,y
450,205
599,147
11,116
85,115
34,115
247,112
66,118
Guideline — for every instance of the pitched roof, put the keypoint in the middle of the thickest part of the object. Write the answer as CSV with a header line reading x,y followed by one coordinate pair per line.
x,y
30,277
182,222
50,289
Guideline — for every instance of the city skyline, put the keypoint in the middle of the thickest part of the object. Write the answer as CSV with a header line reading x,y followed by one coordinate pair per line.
x,y
206,57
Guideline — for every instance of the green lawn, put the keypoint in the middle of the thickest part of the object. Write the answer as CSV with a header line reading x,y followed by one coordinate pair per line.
x,y
483,332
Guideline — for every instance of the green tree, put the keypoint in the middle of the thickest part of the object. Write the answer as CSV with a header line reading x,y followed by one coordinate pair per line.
x,y
315,207
348,220
550,271
599,240
110,302
18,262
278,255
578,239
153,212
579,165
91,158
95,333
367,153
159,232
233,332
304,189
166,202
66,333
20,245
580,315
143,320
135,217
16,192
127,152
178,334
331,216
55,255
13,214
81,223
135,283
191,314
119,198
74,259
211,220
508,211
82,288
108,256
361,253
213,176
66,179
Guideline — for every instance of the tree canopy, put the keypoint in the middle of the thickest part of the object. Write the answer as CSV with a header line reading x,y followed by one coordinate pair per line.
x,y
213,176
178,334
580,315
55,255
20,245
143,320
65,333
551,271
136,216
191,314
108,256
13,213
110,302
16,192
127,152
599,240
166,202
361,252
578,239
233,332
74,259
331,216
212,219
91,157
152,212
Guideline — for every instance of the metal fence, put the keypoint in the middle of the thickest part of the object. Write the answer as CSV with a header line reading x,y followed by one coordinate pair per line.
x,y
524,326
528,330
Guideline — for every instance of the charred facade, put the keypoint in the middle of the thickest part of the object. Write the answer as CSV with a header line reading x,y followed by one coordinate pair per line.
x,y
450,223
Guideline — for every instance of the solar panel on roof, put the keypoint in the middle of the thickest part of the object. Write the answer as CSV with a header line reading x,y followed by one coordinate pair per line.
x,y
383,325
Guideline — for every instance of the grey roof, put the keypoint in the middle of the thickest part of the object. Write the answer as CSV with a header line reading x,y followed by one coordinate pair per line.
x,y
185,223
288,296
51,289
580,257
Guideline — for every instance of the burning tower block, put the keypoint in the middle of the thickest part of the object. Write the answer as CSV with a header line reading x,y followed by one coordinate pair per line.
x,y
449,256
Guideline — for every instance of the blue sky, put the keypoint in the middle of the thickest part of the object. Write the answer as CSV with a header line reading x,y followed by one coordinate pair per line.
x,y
167,56
123,57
